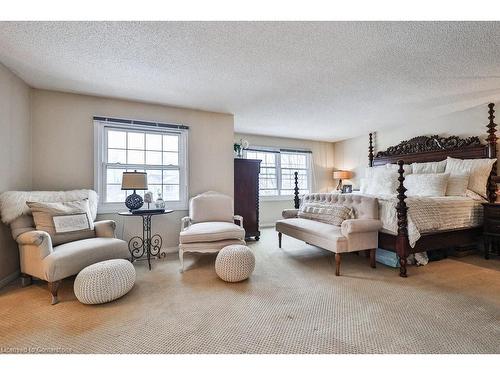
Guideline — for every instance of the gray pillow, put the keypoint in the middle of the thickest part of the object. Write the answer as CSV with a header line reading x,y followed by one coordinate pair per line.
x,y
333,214
63,221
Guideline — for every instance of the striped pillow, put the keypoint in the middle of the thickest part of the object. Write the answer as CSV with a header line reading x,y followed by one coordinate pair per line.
x,y
333,214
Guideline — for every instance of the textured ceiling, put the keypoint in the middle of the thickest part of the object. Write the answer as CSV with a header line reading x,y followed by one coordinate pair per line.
x,y
315,80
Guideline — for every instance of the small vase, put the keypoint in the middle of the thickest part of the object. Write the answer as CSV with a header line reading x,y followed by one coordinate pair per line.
x,y
160,203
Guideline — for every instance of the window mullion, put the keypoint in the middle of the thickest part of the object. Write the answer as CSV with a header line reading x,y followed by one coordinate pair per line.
x,y
278,173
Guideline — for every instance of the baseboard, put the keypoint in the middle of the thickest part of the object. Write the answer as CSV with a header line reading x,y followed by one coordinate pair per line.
x,y
171,249
9,279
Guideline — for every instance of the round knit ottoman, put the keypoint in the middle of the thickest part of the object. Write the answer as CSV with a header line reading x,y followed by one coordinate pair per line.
x,y
234,263
104,281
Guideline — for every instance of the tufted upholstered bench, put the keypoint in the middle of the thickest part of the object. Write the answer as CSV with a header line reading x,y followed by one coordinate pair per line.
x,y
354,234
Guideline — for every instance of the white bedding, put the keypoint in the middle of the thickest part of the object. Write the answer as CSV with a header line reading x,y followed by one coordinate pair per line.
x,y
431,214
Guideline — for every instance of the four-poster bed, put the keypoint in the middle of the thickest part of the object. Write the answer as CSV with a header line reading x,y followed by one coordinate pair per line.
x,y
429,149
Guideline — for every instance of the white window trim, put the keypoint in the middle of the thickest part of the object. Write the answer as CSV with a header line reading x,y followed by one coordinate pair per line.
x,y
280,197
100,147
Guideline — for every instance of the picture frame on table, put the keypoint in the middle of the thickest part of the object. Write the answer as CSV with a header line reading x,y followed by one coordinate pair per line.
x,y
346,189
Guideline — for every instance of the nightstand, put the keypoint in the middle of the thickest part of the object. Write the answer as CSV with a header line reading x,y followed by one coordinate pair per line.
x,y
491,227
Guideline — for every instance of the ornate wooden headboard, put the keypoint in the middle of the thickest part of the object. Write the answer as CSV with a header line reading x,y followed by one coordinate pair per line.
x,y
436,148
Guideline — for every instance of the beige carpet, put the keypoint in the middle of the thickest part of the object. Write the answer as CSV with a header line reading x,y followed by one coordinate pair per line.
x,y
293,303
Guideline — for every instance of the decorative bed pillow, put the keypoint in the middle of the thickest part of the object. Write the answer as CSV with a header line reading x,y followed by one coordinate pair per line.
x,y
371,172
333,214
430,167
475,196
382,183
63,221
426,184
479,170
363,185
408,169
457,184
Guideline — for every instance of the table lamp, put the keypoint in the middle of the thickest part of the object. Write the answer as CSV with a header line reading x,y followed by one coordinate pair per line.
x,y
339,175
134,181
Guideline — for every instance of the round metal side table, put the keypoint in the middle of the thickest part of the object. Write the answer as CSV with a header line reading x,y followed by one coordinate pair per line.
x,y
148,245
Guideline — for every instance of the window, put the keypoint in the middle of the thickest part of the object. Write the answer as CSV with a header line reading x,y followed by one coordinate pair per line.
x,y
277,178
268,177
160,151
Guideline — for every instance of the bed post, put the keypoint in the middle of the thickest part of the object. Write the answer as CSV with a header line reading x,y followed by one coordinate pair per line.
x,y
492,152
296,201
402,243
370,151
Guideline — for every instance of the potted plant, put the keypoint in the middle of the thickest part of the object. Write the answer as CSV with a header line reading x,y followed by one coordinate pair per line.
x,y
239,147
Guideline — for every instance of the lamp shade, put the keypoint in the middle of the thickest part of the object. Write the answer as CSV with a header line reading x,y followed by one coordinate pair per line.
x,y
134,181
342,175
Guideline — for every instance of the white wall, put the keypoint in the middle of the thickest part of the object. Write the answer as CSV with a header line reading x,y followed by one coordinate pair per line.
x,y
63,148
323,162
15,157
352,154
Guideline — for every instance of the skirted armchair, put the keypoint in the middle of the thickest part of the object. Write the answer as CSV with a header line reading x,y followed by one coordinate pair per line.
x,y
38,256
210,225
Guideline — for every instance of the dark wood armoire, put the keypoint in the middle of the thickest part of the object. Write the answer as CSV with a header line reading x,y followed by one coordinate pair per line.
x,y
246,194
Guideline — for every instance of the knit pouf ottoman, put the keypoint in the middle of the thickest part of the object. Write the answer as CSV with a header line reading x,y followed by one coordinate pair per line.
x,y
104,281
234,263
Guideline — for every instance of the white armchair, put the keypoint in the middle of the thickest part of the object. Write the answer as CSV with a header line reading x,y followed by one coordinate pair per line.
x,y
210,225
39,258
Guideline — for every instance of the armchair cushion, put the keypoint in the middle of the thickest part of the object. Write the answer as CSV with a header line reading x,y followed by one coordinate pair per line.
x,y
70,258
212,231
44,214
324,235
360,226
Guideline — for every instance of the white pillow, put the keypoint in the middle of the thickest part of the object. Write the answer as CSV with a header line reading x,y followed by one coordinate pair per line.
x,y
475,196
479,170
371,171
362,185
426,184
429,167
394,167
457,184
382,183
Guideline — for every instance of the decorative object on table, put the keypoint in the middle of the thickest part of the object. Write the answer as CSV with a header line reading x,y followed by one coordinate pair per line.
x,y
148,245
341,175
148,198
239,147
346,189
246,195
39,256
134,181
159,203
235,263
104,281
491,228
210,225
